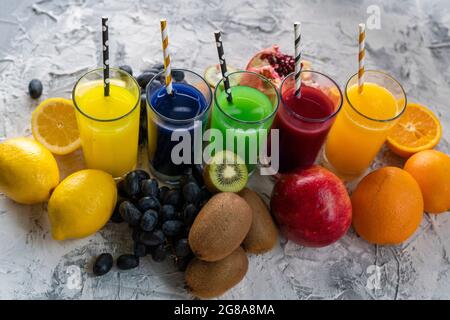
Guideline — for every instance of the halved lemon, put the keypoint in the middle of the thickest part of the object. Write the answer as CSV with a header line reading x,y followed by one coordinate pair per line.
x,y
54,125
417,129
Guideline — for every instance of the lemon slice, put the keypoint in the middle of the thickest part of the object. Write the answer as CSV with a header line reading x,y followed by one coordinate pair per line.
x,y
213,75
417,129
54,125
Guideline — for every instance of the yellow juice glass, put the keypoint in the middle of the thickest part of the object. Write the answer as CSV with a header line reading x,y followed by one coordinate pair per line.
x,y
361,127
109,126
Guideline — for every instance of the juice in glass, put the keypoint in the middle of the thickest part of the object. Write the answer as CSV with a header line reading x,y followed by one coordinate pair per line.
x,y
363,124
184,111
254,104
108,125
304,122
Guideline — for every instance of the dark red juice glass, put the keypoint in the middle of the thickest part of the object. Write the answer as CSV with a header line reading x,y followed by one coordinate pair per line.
x,y
304,122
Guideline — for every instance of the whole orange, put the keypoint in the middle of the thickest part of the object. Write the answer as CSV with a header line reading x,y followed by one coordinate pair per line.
x,y
387,206
431,169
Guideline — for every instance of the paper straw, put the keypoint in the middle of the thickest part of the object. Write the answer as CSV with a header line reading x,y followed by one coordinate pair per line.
x,y
361,56
105,45
298,57
166,55
223,65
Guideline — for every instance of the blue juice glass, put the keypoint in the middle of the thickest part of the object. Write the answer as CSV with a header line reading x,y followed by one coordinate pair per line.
x,y
182,113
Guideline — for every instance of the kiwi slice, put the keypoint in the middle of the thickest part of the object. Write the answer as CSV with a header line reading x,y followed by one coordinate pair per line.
x,y
213,75
225,172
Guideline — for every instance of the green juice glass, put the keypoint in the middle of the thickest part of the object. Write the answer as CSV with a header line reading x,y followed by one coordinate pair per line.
x,y
245,120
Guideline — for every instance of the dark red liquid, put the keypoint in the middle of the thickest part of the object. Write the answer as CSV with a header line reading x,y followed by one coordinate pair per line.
x,y
300,136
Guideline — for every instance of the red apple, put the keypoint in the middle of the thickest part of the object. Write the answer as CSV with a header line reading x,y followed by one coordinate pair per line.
x,y
312,207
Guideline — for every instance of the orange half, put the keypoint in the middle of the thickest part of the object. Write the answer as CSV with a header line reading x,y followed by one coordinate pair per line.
x,y
417,129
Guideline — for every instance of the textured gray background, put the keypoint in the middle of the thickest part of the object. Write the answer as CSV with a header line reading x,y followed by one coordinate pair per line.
x,y
57,41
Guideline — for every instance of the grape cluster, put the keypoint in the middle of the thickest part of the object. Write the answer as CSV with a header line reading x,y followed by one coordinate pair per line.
x,y
159,217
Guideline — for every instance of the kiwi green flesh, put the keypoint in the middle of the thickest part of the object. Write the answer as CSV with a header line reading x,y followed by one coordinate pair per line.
x,y
227,177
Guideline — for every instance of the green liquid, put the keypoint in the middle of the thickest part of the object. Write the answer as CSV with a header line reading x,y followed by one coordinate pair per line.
x,y
249,104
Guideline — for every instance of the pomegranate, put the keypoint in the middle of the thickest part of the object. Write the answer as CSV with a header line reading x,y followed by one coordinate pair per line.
x,y
273,64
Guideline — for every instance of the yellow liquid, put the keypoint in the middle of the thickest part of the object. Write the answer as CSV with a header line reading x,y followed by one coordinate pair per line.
x,y
354,141
110,146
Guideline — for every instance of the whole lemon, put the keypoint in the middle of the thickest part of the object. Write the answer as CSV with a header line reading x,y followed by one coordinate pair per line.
x,y
431,169
28,171
387,206
81,204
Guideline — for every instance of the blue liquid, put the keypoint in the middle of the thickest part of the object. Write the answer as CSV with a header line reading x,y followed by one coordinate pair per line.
x,y
185,103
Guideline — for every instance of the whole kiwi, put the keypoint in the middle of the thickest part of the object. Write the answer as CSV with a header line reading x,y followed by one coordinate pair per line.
x,y
263,233
212,279
220,226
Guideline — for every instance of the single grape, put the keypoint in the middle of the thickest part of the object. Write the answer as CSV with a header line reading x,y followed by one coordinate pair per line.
x,y
172,228
149,220
130,213
127,261
35,88
103,264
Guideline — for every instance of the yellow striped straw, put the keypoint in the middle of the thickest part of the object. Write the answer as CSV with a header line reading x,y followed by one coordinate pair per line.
x,y
165,47
361,56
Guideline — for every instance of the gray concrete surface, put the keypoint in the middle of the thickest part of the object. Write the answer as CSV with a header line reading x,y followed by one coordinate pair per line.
x,y
57,41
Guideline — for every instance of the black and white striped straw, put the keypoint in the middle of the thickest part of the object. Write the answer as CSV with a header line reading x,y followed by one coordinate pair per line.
x,y
223,65
105,45
298,57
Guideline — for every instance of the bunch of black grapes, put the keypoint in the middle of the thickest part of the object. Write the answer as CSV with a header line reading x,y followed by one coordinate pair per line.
x,y
159,217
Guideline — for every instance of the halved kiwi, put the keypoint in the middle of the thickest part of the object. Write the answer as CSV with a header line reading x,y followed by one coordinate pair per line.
x,y
213,75
225,172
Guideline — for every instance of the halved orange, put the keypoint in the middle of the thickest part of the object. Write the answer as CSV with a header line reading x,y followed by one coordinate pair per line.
x,y
417,129
54,125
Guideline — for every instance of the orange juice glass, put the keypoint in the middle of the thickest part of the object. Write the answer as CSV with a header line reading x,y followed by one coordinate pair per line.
x,y
362,125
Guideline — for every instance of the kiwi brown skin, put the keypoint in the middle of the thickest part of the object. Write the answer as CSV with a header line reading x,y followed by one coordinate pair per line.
x,y
212,279
220,226
263,233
